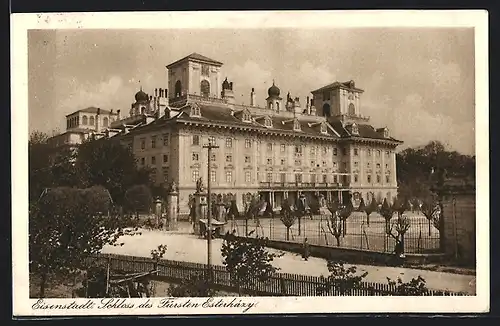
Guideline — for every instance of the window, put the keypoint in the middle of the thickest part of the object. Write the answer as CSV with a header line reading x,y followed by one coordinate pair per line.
x,y
387,179
378,153
268,122
313,178
269,177
369,178
205,88
323,128
213,157
313,151
105,121
344,151
369,152
378,178
296,125
378,165
165,174
196,140
166,139
368,165
143,143
387,153
325,150
297,162
344,165
213,176
91,121
211,140
355,178
282,148
85,120
356,165
356,153
229,158
354,129
270,106
247,159
143,161
195,111
283,177
386,133
313,163
248,176
195,156
283,161
269,147
324,163
325,178
205,70
178,88
298,150
335,179
326,96
269,161
386,166
335,151
248,143
229,176
153,141
195,175
298,178
247,117
153,160
165,158
335,166
229,142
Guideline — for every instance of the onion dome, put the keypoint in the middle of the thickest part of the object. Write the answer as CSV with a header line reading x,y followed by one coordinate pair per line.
x,y
140,96
273,91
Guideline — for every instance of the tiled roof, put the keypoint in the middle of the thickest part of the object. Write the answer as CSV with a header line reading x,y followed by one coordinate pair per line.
x,y
196,57
91,109
334,85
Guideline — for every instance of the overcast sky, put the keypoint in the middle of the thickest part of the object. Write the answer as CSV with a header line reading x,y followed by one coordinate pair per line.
x,y
418,82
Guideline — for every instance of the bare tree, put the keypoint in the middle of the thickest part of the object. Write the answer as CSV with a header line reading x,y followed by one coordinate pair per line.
x,y
287,217
334,222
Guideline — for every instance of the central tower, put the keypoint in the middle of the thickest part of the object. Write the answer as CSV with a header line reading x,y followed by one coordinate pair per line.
x,y
194,75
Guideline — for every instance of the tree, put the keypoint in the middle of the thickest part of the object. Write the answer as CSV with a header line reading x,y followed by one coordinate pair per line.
x,y
341,279
66,226
138,198
361,207
108,163
39,164
287,216
195,285
370,208
334,222
400,226
252,210
247,261
300,209
412,288
387,213
430,209
345,211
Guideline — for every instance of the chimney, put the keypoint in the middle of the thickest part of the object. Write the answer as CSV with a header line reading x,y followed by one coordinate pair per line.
x,y
252,97
97,119
118,113
166,92
156,92
308,106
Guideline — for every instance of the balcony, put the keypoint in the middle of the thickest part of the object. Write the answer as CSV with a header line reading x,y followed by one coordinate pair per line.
x,y
303,185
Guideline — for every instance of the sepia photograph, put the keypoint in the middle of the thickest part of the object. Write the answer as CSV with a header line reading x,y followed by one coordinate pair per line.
x,y
208,167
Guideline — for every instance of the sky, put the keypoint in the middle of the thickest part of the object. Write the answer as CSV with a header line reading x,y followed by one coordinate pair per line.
x,y
418,82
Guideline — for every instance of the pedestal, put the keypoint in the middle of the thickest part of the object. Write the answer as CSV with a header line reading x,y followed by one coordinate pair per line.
x,y
172,212
200,202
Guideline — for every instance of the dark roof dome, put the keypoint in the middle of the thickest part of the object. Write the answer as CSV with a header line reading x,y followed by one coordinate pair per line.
x,y
273,91
225,84
140,96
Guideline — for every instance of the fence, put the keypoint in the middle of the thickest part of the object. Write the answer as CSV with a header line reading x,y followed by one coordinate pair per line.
x,y
360,233
279,284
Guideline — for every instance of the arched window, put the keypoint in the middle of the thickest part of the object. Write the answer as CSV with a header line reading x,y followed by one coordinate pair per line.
x,y
270,105
352,109
326,110
85,120
277,106
143,110
178,89
105,121
91,121
205,88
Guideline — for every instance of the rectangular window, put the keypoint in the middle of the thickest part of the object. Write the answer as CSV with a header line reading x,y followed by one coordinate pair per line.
x,y
313,164
355,165
378,153
269,147
344,151
283,177
378,165
229,142
213,157
325,150
248,176
378,178
269,161
313,151
369,178
153,160
369,152
355,178
269,177
335,151
166,138
195,156
229,176
229,158
143,161
195,175
356,153
297,162
324,163
211,140
153,141
205,70
247,159
165,174
386,166
283,161
298,178
282,148
344,165
335,179
313,178
196,140
335,165
143,143
368,165
165,158
248,143
213,176
298,150
387,179
325,178
387,153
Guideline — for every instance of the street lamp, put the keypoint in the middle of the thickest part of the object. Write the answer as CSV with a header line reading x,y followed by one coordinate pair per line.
x,y
210,146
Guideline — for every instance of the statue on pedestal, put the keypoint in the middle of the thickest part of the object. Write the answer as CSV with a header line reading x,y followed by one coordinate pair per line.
x,y
173,187
199,186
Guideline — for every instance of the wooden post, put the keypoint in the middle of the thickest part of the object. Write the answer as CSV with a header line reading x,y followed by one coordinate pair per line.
x,y
107,276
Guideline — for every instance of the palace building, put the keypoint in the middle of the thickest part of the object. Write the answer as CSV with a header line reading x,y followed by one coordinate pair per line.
x,y
323,146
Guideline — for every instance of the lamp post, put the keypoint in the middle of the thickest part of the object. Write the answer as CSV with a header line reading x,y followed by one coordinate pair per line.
x,y
210,146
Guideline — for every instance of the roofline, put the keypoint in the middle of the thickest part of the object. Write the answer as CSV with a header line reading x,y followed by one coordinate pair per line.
x,y
103,111
335,87
187,58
